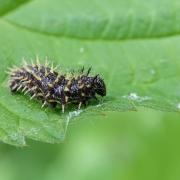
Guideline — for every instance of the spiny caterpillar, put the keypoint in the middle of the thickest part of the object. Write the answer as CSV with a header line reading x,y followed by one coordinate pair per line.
x,y
51,88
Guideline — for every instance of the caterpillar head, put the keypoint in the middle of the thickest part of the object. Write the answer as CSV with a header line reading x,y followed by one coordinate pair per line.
x,y
99,85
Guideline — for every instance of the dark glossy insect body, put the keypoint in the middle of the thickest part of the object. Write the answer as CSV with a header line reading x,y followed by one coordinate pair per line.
x,y
51,87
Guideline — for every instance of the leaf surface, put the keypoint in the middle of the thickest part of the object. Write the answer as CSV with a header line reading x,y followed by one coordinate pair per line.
x,y
133,44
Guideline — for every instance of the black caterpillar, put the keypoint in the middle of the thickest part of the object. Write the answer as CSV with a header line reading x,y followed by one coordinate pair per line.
x,y
52,88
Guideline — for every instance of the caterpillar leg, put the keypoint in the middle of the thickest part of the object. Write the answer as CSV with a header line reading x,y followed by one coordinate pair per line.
x,y
79,106
44,104
63,107
13,87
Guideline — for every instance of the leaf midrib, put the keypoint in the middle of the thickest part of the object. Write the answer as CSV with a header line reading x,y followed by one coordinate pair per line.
x,y
32,30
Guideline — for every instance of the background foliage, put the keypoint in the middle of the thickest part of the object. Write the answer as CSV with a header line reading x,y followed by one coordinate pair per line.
x,y
135,46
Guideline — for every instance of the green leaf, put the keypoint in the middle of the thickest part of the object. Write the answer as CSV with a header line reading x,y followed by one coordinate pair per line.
x,y
133,44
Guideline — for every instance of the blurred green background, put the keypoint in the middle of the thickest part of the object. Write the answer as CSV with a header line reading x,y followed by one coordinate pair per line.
x,y
135,45
126,145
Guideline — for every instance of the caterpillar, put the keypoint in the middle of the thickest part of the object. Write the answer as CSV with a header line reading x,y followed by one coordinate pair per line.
x,y
50,87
